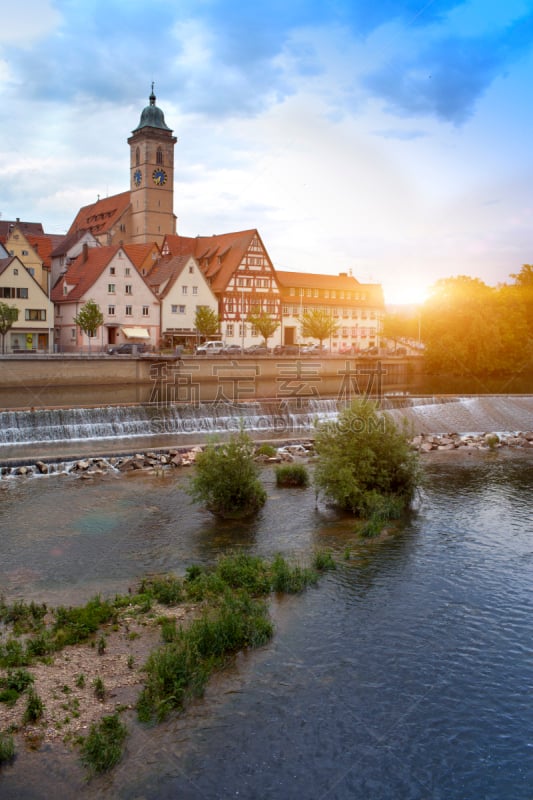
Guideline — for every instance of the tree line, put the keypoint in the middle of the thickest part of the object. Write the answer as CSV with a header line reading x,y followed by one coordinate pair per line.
x,y
467,327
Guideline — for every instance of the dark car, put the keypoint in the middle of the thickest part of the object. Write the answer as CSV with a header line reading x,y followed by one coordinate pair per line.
x,y
128,349
287,350
257,350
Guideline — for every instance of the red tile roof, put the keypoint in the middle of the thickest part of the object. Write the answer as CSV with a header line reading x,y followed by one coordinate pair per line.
x,y
166,271
99,217
82,274
218,255
138,253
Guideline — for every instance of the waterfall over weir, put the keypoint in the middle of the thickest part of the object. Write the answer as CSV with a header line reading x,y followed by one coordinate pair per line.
x,y
122,428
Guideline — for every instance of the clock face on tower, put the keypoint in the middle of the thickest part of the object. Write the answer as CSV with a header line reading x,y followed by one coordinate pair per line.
x,y
137,177
159,177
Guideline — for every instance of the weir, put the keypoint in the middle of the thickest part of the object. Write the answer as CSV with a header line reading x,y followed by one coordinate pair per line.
x,y
107,429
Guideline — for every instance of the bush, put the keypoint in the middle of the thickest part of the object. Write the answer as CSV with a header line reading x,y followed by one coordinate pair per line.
x,y
363,457
7,748
292,475
226,478
166,590
34,708
290,579
74,625
102,747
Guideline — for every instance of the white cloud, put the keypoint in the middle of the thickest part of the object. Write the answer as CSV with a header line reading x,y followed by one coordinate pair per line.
x,y
25,23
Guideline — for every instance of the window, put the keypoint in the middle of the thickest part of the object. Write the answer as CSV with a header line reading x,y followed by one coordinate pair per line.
x,y
129,311
31,270
25,253
73,333
15,271
182,309
111,311
159,156
57,310
286,311
35,314
146,311
137,157
110,288
195,289
128,288
184,289
127,271
229,329
174,309
292,291
111,270
191,269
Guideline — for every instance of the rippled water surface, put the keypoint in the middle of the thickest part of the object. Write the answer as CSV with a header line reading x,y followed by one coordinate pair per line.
x,y
408,673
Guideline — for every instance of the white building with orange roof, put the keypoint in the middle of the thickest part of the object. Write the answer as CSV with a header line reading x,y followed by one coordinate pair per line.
x,y
109,277
356,308
240,273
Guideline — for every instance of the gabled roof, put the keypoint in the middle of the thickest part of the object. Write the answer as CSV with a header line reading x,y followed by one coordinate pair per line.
x,y
64,243
33,228
166,272
218,255
138,253
83,273
43,247
6,262
99,217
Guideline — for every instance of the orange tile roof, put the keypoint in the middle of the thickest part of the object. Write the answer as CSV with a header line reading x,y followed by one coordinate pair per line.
x,y
336,283
99,217
218,255
138,253
82,274
166,271
43,246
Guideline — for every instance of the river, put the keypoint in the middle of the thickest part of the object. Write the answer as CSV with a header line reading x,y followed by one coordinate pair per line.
x,y
407,674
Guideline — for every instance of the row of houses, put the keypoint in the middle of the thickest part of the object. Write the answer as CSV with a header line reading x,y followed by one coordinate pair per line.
x,y
123,252
151,293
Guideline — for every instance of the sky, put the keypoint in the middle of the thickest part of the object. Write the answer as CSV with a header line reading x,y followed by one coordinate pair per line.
x,y
391,138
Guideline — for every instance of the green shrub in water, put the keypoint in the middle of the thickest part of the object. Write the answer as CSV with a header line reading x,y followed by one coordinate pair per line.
x,y
292,475
7,748
364,452
101,749
226,478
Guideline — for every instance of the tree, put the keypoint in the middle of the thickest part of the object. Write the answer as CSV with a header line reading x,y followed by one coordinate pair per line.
x,y
400,326
89,319
471,328
226,478
365,464
8,316
265,324
318,324
207,321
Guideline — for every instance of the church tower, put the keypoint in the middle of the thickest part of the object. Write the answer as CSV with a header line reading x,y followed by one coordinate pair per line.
x,y
152,177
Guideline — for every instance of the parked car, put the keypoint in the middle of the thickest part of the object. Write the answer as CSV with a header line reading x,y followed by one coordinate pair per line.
x,y
286,350
210,348
232,350
346,349
257,350
315,350
128,349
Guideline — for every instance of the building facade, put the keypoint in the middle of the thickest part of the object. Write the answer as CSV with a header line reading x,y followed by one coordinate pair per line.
x,y
33,330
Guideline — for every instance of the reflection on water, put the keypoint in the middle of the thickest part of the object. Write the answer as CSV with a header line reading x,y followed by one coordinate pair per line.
x,y
405,674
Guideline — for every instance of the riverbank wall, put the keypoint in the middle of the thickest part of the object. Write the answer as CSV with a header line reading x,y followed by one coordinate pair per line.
x,y
66,380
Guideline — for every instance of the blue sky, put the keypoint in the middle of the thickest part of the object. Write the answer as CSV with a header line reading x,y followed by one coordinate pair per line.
x,y
392,138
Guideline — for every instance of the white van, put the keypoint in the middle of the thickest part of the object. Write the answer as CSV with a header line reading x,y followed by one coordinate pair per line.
x,y
210,348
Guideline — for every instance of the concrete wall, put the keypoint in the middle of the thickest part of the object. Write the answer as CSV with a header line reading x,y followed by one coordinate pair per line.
x,y
89,380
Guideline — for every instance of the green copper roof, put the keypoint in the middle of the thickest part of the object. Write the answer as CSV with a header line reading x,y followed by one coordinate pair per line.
x,y
152,116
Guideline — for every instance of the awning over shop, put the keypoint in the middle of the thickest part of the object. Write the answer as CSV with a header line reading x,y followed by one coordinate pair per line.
x,y
135,333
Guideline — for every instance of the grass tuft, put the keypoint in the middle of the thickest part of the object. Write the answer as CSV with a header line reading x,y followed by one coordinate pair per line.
x,y
101,749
